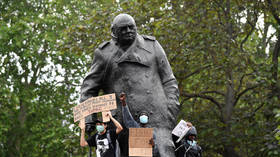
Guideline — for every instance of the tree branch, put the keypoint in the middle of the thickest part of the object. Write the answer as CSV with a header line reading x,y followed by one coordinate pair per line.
x,y
219,105
67,82
274,67
183,101
269,39
273,11
253,26
216,92
194,72
243,92
241,81
222,8
220,5
254,112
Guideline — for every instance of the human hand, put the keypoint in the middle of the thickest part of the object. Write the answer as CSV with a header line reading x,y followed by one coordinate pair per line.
x,y
123,98
189,124
151,142
108,113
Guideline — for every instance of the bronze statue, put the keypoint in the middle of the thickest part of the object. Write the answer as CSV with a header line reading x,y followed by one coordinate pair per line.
x,y
136,65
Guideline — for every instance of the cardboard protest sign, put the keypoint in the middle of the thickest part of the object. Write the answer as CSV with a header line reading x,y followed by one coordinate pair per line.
x,y
180,130
139,139
94,105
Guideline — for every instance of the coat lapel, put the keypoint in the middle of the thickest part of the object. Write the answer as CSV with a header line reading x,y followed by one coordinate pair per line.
x,y
137,53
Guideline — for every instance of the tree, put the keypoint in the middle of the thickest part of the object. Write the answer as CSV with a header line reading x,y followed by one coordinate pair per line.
x,y
38,80
225,62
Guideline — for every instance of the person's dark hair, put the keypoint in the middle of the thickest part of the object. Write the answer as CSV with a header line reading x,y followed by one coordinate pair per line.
x,y
143,113
100,120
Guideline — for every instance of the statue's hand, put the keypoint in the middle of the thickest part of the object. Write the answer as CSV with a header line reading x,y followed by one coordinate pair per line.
x,y
173,110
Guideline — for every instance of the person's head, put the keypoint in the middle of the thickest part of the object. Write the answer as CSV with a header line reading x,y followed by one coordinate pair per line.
x,y
100,126
143,118
124,29
191,135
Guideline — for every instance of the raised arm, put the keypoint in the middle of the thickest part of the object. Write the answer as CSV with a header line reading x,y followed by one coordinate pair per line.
x,y
116,123
82,125
129,122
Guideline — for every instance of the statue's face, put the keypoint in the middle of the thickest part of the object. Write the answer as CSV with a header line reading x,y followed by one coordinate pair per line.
x,y
126,33
124,29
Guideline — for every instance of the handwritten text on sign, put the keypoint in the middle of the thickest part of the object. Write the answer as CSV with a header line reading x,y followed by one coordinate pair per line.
x,y
94,105
139,141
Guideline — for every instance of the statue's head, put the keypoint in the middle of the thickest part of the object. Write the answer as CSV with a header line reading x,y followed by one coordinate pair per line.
x,y
124,29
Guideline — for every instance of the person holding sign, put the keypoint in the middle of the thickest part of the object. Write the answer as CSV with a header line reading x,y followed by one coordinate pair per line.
x,y
129,122
187,147
104,140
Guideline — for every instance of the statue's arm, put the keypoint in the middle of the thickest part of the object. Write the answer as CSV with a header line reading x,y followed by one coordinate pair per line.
x,y
93,81
168,80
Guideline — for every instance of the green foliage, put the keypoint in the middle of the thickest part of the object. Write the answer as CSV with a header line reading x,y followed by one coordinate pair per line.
x,y
219,52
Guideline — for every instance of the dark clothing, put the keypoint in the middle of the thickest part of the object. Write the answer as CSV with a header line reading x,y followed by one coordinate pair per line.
x,y
184,149
123,141
144,73
104,147
129,122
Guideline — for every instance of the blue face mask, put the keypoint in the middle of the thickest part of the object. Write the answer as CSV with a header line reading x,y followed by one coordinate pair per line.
x,y
99,128
143,119
192,143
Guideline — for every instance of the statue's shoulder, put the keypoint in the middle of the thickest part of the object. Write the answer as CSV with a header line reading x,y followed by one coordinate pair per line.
x,y
148,37
104,44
